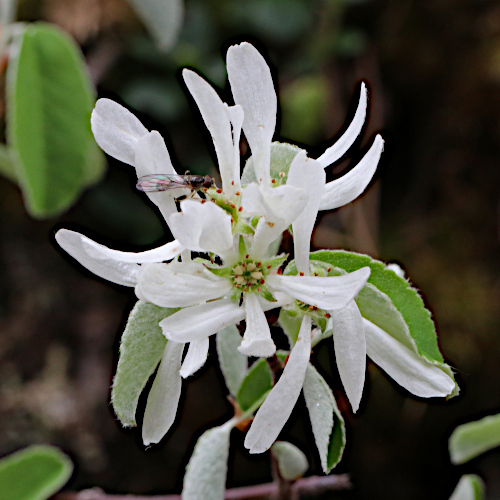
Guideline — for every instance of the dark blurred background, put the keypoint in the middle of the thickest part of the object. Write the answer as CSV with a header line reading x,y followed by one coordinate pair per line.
x,y
433,69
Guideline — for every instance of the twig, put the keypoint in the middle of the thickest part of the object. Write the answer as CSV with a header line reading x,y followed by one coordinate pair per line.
x,y
309,486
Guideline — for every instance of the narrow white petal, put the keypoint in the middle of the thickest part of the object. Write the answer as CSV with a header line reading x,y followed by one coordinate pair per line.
x,y
330,292
236,115
202,227
411,371
160,254
110,268
151,157
278,406
333,153
348,187
308,175
116,130
253,89
201,321
350,351
217,121
181,285
257,340
195,357
163,397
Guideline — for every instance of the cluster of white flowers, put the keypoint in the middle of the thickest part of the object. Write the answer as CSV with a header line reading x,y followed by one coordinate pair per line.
x,y
237,227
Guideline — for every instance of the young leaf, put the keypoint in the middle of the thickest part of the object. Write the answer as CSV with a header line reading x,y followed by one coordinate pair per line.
x,y
49,101
326,420
405,298
162,18
255,385
470,487
207,468
290,325
233,364
141,348
282,155
469,440
35,473
292,463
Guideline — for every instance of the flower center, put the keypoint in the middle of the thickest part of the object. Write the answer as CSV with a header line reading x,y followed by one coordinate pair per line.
x,y
248,276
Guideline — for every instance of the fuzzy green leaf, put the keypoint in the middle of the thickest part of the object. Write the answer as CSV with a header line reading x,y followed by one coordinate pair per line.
x,y
405,298
206,471
292,463
233,364
282,155
326,420
35,473
255,385
49,102
470,487
141,348
470,440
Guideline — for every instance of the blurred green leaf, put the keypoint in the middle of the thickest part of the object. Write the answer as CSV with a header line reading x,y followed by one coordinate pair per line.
x,y
290,325
469,440
162,18
470,487
49,102
292,463
35,473
8,163
141,348
255,385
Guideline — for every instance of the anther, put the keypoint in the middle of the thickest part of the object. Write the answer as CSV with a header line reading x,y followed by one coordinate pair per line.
x,y
240,209
219,190
247,256
237,192
232,205
269,266
232,183
258,264
262,282
329,269
273,181
327,315
301,274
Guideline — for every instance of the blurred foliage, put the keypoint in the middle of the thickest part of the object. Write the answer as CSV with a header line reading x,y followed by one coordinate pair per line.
x,y
433,71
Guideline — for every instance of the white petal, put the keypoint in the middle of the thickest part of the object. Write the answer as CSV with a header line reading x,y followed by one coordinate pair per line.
x,y
348,187
195,357
411,371
257,340
202,227
182,285
350,351
111,269
163,397
330,292
201,321
217,121
333,153
160,254
278,406
151,157
253,89
236,115
308,175
116,130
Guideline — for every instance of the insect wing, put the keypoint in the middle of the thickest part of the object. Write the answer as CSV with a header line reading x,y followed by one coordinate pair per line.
x,y
161,182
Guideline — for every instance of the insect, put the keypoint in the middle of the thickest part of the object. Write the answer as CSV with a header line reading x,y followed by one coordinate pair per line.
x,y
164,182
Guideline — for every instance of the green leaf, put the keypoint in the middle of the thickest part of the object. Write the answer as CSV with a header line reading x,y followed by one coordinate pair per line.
x,y
163,19
292,463
35,473
8,163
141,348
470,487
470,440
49,102
255,385
290,325
405,298
233,364
282,155
326,420
207,468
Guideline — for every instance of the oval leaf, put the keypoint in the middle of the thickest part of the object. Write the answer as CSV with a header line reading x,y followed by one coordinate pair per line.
x,y
207,468
469,440
326,421
141,349
35,473
233,364
49,101
292,463
255,385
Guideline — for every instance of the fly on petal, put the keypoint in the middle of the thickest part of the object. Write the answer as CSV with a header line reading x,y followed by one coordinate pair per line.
x,y
164,182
